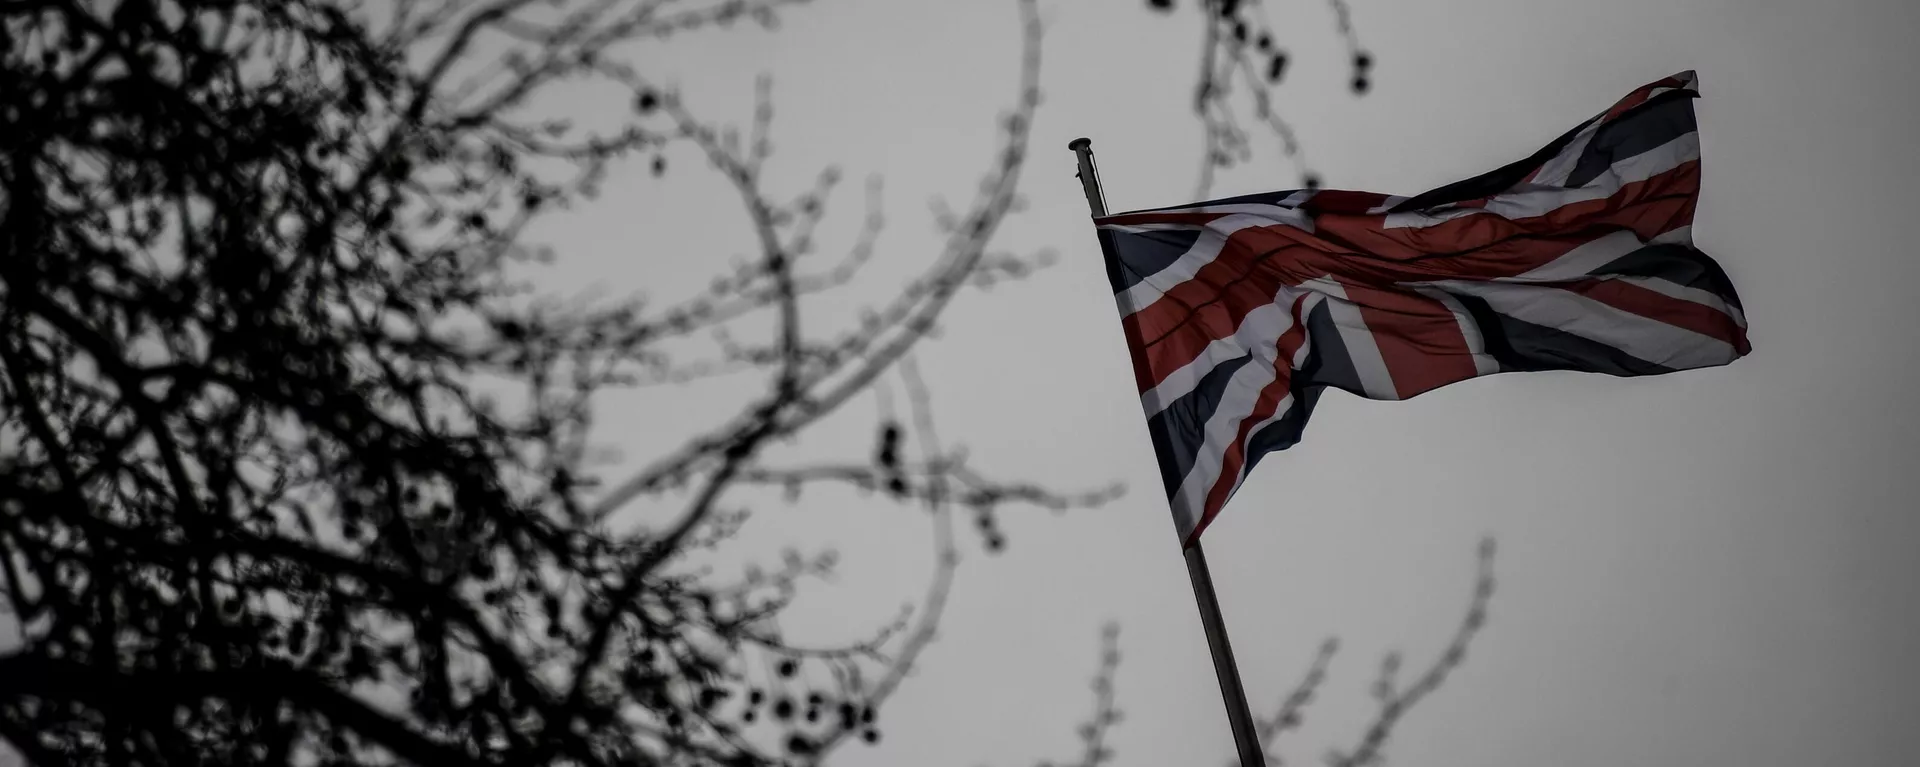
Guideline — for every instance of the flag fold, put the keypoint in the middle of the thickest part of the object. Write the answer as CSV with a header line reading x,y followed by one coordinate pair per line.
x,y
1240,312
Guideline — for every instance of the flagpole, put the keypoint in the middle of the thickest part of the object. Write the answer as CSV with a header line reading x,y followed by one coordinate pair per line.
x,y
1239,716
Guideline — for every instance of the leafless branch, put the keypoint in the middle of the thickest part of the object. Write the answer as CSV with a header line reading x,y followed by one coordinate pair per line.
x,y
1292,711
1093,732
862,355
1394,702
1240,53
250,437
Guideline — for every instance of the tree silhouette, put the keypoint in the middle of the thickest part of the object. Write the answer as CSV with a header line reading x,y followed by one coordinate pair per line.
x,y
1241,54
1392,700
293,470
1241,63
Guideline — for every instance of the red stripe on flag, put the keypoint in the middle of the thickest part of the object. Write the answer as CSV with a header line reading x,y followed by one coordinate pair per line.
x,y
1485,247
1479,246
1653,305
1170,347
1419,338
1137,219
1640,96
1285,347
1211,305
1256,262
1343,201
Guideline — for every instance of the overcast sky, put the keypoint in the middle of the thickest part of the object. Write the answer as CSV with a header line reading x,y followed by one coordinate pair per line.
x,y
1714,567
1710,568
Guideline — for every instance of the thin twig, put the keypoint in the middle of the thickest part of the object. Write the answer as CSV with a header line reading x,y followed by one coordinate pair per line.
x,y
1394,705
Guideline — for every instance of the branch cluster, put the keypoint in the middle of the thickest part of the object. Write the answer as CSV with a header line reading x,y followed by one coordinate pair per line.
x,y
259,499
1241,53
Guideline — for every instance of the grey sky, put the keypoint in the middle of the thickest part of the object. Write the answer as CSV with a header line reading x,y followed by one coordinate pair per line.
x,y
1713,567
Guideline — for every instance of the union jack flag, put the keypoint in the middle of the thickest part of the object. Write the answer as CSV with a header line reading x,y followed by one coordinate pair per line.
x,y
1240,312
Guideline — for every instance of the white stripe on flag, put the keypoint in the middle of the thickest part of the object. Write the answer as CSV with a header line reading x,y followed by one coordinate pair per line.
x,y
1294,200
1583,258
1682,235
1362,350
1705,298
1205,249
1280,411
1643,337
1529,201
1138,228
1246,457
1581,262
1247,208
1689,80
1386,205
1236,403
1555,170
1261,326
1483,363
1640,167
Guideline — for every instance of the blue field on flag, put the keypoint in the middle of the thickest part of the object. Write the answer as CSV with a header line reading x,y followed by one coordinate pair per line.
x,y
1240,312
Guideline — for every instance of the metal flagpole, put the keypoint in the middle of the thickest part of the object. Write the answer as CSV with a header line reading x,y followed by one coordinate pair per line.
x,y
1239,716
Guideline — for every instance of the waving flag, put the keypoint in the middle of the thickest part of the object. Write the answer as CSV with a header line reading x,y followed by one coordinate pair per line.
x,y
1240,312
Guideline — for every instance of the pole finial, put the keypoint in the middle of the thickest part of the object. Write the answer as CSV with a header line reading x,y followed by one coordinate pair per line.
x,y
1089,181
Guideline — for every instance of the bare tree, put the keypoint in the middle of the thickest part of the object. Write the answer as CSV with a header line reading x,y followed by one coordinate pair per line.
x,y
261,497
1393,701
1241,61
294,470
1240,64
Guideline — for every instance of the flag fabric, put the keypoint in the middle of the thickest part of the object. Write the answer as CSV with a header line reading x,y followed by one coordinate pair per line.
x,y
1240,312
